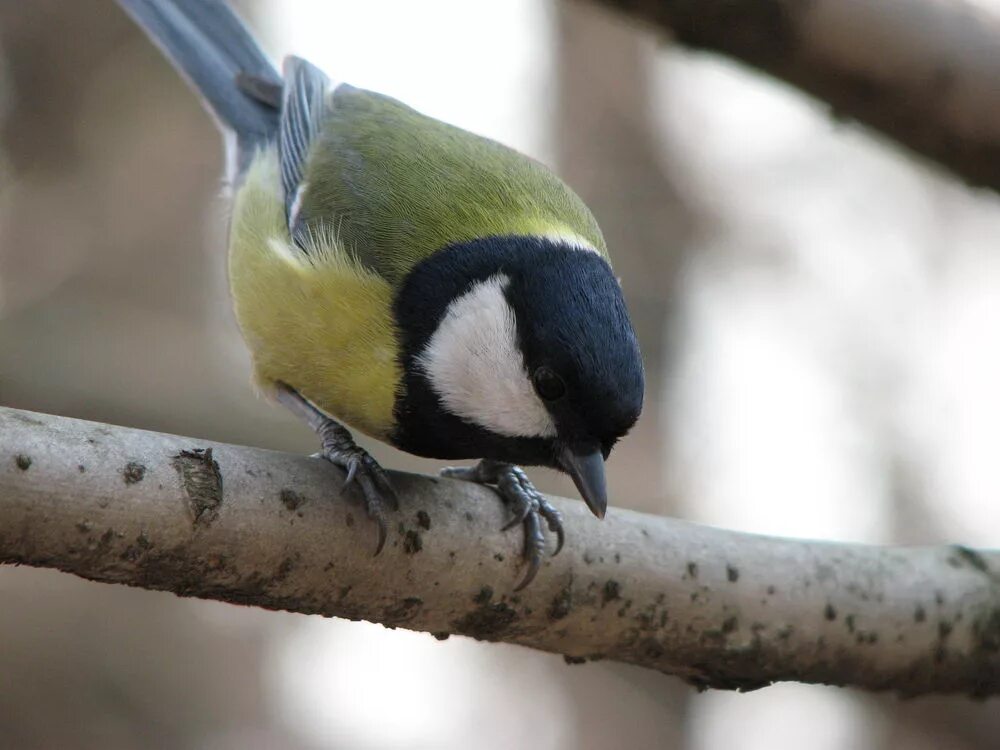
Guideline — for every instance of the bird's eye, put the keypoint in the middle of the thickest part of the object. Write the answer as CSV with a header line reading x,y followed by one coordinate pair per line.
x,y
548,385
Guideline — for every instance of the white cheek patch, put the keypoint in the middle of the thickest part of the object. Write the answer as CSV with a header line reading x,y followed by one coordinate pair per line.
x,y
475,367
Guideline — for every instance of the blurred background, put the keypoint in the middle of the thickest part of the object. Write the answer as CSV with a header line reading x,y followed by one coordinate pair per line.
x,y
818,314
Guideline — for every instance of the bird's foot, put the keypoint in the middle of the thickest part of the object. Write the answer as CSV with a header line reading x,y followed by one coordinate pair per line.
x,y
339,448
528,505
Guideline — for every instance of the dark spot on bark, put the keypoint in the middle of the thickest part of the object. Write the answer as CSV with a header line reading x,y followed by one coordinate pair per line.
x,y
652,648
423,520
499,557
939,598
349,520
618,557
134,552
629,638
732,574
134,472
849,621
105,542
986,632
940,653
284,569
405,610
574,659
919,615
730,624
692,569
81,468
645,620
588,558
771,590
202,482
944,629
468,516
412,542
22,461
612,591
292,499
487,622
344,591
830,613
971,558
441,635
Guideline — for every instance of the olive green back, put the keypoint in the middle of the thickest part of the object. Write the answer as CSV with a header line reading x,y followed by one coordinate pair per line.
x,y
395,186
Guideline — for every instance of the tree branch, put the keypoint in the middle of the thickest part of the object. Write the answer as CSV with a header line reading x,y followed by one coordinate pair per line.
x,y
718,608
923,72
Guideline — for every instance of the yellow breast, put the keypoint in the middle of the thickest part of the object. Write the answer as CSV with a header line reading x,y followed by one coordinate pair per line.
x,y
316,320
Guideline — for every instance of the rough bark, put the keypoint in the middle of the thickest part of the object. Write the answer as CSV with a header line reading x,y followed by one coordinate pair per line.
x,y
719,608
922,72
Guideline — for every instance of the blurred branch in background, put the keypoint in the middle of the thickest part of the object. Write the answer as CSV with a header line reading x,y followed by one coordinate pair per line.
x,y
923,73
721,609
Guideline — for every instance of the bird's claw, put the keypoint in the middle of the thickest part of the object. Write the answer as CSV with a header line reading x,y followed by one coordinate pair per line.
x,y
352,473
527,504
339,448
364,471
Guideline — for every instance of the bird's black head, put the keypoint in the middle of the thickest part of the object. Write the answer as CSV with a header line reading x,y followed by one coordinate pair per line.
x,y
518,349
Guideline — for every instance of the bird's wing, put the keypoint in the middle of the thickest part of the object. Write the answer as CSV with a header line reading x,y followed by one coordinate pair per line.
x,y
395,186
304,104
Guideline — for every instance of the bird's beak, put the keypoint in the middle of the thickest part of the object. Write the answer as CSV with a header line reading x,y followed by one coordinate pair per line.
x,y
586,465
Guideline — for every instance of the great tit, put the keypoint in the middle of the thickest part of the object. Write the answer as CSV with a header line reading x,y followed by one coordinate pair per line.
x,y
427,286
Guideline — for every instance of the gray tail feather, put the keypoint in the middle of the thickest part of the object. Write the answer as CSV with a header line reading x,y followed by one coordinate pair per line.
x,y
208,43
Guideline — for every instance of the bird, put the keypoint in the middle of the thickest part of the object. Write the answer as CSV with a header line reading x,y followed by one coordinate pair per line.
x,y
399,276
